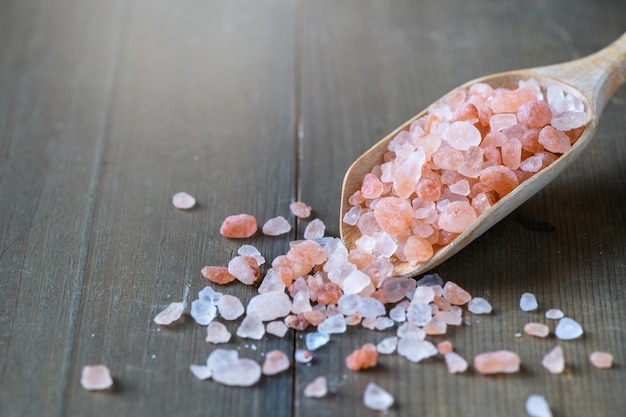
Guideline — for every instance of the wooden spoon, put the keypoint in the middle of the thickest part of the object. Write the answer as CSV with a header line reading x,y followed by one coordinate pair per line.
x,y
594,79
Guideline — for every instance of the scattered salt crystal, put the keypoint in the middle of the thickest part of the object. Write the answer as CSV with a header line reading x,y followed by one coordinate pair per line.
x,y
316,340
273,281
479,305
416,350
201,372
300,209
316,388
315,229
568,329
501,361
537,406
245,269
208,294
333,324
409,330
363,358
554,361
217,274
455,362
536,329
369,323
348,304
356,282
528,302
397,314
444,347
429,280
452,317
423,295
183,201
383,323
217,333
277,328
435,326
387,346
554,314
96,378
377,398
419,314
303,356
171,313
249,250
243,373
203,312
269,306
352,216
238,226
455,294
276,226
229,307
601,360
370,307
275,363
251,327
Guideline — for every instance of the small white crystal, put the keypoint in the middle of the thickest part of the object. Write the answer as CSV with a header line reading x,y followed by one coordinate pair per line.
x,y
356,282
316,388
377,398
277,328
387,346
423,295
370,307
383,323
430,279
568,329
251,327
416,350
528,302
348,304
315,229
183,201
352,216
222,357
397,314
201,372
419,314
303,356
276,226
316,340
270,306
333,324
170,314
479,305
455,362
537,406
230,307
203,312
242,373
217,333
554,361
554,314
210,295
249,250
272,282
409,330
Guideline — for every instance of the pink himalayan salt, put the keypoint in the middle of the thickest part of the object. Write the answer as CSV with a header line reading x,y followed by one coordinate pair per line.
x,y
417,249
277,328
314,317
329,293
444,347
457,217
455,294
554,361
269,306
307,253
217,274
534,114
393,214
569,120
461,135
456,363
536,329
512,153
96,378
601,360
242,372
303,356
217,333
275,362
554,140
300,209
428,189
501,361
245,269
435,327
276,226
183,201
239,226
317,388
554,314
230,307
372,186
500,179
363,358
315,229
171,313
499,122
509,101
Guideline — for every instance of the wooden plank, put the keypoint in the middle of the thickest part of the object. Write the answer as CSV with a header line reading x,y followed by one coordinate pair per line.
x,y
368,67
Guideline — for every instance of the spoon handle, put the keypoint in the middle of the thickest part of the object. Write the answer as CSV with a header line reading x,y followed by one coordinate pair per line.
x,y
596,76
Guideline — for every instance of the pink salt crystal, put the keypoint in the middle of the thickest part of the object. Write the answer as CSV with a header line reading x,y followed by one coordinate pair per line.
x,y
481,90
444,347
275,362
171,313
243,373
407,170
372,186
417,249
315,229
277,328
217,274
356,198
554,361
554,140
428,189
512,153
300,209
496,139
460,187
536,329
307,253
352,216
315,317
601,360
367,224
230,307
554,314
303,356
269,306
329,293
499,122
362,358
238,226
276,226
201,372
423,294
183,201
217,333
534,114
457,217
393,214
500,179
508,101
251,327
531,164
435,327
245,269
481,203
501,361
451,318
448,157
316,388
96,378
461,135
455,362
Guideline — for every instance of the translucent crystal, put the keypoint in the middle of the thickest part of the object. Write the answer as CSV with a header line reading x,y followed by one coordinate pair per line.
x,y
96,378
554,314
397,314
183,201
203,312
333,324
229,307
501,361
269,306
210,295
277,328
554,360
316,388
377,398
276,226
201,372
303,356
275,362
243,373
370,307
416,350
387,345
537,406
217,333
251,327
528,302
316,340
315,229
455,362
568,329
479,305
601,360
170,314
249,250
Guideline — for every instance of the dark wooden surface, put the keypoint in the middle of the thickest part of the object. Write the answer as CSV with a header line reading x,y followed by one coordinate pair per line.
x,y
109,108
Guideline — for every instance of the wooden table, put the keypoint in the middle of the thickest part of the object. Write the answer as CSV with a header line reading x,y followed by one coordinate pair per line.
x,y
109,108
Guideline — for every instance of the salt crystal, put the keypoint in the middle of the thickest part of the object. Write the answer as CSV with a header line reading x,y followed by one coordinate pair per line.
x,y
96,378
217,274
554,360
183,201
300,209
242,373
387,346
245,269
377,398
397,314
315,229
316,388
451,317
601,360
217,333
208,294
238,226
352,216
171,313
531,164
356,282
457,216
409,330
528,302
568,329
423,295
203,312
461,135
419,314
395,289
269,306
554,314
275,363
249,250
333,324
393,214
537,406
383,323
363,358
222,358
370,307
435,326
429,280
479,305
536,329
229,307
501,361
569,120
455,294
348,304
303,356
369,323
277,328
201,372
455,362
554,140
273,281
416,350
251,327
461,187
534,114
276,226
499,122
444,347
316,340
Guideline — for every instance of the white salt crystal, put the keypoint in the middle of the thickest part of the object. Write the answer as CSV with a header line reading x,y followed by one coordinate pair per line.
x,y
554,360
230,307
455,363
316,340
383,323
269,306
315,229
369,323
377,398
333,324
183,201
276,226
217,333
397,314
461,187
429,280
537,406
272,282
528,302
251,327
277,328
423,295
370,307
203,312
352,216
416,350
249,250
419,314
201,372
479,305
303,356
356,282
242,373
316,388
569,120
96,378
568,329
387,346
221,358
348,304
554,314
556,99
385,245
409,330
210,295
453,317
170,314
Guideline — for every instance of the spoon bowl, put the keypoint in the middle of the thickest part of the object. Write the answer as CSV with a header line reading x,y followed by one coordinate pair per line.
x,y
593,79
